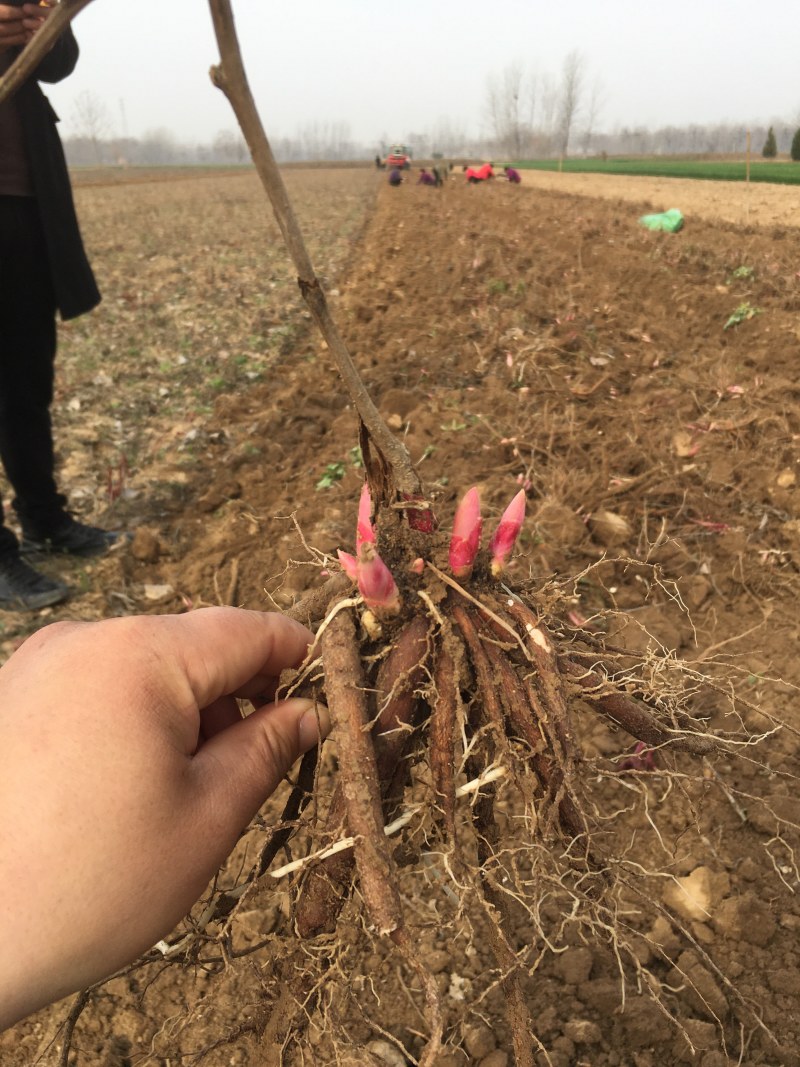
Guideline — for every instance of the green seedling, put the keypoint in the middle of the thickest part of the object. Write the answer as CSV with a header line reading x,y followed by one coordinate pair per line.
x,y
333,473
741,274
742,313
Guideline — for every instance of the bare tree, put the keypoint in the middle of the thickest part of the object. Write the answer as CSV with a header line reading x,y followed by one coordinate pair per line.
x,y
593,107
572,79
505,105
548,115
92,121
159,146
230,148
448,139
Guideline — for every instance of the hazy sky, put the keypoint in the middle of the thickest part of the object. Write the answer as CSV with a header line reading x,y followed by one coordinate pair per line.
x,y
389,69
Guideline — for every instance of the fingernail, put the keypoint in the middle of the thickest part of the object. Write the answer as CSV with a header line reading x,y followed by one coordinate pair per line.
x,y
313,725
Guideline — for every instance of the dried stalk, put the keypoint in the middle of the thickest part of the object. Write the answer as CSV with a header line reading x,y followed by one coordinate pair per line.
x,y
394,471
230,77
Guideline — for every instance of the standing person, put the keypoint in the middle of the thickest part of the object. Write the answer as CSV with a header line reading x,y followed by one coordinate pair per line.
x,y
43,270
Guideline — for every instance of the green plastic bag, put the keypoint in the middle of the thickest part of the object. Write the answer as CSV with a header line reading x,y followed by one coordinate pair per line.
x,y
670,221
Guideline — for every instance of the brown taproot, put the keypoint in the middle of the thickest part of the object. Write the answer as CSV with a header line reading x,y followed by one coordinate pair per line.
x,y
327,883
633,716
442,730
499,925
486,682
345,688
548,680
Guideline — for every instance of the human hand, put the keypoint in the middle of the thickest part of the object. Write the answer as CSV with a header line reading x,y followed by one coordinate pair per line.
x,y
35,16
126,777
18,24
12,29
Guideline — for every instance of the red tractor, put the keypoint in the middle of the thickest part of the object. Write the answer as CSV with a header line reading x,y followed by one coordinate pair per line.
x,y
398,156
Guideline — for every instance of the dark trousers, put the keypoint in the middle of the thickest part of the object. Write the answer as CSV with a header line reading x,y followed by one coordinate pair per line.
x,y
27,362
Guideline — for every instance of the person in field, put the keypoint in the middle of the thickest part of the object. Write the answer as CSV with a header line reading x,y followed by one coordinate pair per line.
x,y
425,177
479,174
512,175
395,176
43,270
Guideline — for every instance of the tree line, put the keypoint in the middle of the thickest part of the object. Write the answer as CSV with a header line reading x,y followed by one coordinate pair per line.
x,y
526,116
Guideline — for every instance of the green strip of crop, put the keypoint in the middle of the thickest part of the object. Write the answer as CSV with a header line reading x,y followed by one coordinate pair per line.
x,y
779,173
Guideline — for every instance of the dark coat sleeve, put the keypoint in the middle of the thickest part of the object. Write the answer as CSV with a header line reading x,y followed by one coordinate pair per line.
x,y
60,61
75,286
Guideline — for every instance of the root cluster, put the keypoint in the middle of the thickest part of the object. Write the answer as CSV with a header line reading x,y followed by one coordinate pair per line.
x,y
470,681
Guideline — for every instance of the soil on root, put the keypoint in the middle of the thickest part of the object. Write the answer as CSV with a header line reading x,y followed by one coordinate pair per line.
x,y
540,340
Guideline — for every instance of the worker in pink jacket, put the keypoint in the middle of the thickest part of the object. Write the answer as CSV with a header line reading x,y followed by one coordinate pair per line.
x,y
479,174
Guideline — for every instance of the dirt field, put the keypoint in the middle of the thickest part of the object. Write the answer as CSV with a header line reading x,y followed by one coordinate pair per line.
x,y
531,336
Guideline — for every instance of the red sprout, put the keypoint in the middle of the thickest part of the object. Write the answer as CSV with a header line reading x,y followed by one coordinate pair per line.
x,y
506,534
466,539
349,565
365,531
375,582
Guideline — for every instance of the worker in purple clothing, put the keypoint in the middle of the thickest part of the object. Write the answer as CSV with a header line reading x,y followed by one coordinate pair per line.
x,y
395,177
425,178
512,175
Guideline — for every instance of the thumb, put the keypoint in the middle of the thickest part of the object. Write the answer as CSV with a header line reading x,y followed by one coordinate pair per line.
x,y
241,766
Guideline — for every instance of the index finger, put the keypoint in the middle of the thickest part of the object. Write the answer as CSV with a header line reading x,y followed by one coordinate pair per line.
x,y
232,651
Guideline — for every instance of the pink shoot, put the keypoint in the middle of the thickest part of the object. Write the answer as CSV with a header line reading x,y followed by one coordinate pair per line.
x,y
641,759
506,534
420,518
418,566
466,539
349,565
364,527
375,582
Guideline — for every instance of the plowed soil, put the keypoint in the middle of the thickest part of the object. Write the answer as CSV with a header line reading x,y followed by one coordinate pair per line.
x,y
642,387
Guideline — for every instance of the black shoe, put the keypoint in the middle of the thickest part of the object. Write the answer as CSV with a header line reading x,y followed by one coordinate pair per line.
x,y
73,538
21,587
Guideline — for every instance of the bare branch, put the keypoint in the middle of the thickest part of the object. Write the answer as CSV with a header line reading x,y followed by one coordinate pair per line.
x,y
231,78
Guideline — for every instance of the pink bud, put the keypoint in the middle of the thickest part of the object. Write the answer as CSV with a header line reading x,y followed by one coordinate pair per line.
x,y
364,528
418,566
375,582
349,565
641,759
506,534
421,519
466,539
